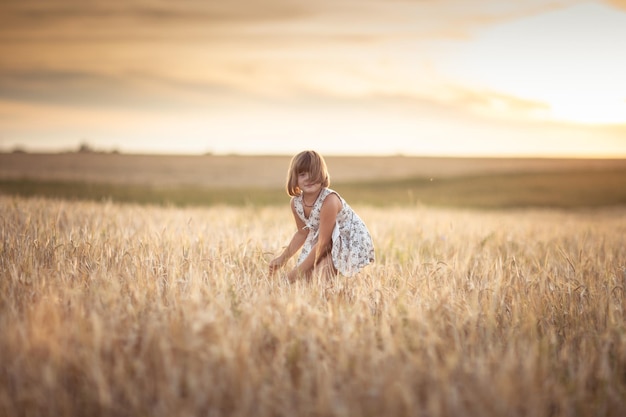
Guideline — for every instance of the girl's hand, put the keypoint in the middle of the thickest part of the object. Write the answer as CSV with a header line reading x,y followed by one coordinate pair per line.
x,y
276,264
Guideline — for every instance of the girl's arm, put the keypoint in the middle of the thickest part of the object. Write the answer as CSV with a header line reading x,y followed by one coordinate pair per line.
x,y
328,216
297,240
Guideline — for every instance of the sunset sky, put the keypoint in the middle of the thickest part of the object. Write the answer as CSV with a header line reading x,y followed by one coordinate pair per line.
x,y
419,77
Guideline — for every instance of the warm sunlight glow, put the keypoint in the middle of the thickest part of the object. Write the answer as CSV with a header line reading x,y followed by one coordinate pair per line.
x,y
592,109
571,59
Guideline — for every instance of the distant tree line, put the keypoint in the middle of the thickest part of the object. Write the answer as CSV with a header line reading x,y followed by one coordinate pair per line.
x,y
83,147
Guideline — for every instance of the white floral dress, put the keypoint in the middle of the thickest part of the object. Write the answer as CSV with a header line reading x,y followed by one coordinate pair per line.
x,y
352,246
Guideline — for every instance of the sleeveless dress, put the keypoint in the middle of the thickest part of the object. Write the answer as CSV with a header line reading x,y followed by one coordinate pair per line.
x,y
352,246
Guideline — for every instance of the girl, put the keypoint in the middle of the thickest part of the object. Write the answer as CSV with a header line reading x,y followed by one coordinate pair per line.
x,y
333,238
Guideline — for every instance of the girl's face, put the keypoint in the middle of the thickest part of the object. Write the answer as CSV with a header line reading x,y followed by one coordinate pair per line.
x,y
306,186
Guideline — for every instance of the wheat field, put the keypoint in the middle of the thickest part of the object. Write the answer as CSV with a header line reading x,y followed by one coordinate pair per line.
x,y
127,310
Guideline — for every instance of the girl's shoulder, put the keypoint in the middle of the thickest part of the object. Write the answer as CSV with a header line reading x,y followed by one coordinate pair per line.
x,y
330,191
337,201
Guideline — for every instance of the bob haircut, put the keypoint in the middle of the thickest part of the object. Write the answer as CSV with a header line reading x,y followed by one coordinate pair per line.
x,y
310,162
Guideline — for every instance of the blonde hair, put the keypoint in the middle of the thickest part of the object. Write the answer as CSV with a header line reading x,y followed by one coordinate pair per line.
x,y
310,162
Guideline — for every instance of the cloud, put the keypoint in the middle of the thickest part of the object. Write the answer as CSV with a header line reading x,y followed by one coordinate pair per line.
x,y
494,104
31,19
620,4
190,10
374,56
79,21
88,89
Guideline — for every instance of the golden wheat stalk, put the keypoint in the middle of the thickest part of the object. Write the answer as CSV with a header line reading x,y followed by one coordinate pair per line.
x,y
119,310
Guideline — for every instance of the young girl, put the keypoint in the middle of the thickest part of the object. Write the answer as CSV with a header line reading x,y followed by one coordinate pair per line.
x,y
332,237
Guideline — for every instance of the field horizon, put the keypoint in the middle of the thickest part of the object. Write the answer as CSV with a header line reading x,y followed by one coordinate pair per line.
x,y
386,180
270,170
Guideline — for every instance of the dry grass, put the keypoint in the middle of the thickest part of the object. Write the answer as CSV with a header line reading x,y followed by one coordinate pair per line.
x,y
120,310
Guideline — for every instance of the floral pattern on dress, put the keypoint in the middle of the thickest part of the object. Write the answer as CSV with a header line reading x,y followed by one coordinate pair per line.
x,y
352,246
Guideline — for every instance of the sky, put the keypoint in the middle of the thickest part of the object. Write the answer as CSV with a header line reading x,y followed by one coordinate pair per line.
x,y
415,77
